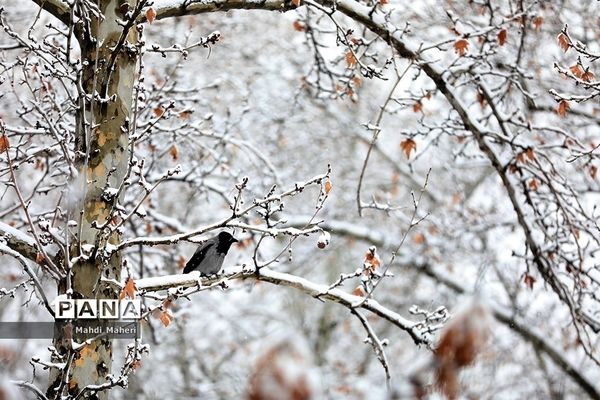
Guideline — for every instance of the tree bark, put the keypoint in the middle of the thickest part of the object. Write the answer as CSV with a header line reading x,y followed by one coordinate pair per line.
x,y
102,135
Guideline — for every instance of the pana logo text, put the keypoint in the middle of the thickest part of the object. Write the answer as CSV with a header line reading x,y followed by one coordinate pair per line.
x,y
97,309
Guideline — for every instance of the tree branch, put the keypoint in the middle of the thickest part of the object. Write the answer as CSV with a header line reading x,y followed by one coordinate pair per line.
x,y
57,8
22,243
187,7
283,279
36,282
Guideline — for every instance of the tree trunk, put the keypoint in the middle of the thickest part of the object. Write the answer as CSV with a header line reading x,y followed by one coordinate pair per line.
x,y
102,135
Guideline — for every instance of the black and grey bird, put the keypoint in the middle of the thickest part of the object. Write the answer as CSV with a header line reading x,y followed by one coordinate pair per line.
x,y
209,256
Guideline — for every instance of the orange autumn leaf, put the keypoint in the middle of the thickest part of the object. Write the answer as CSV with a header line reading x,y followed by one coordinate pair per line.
x,y
4,145
576,70
481,99
530,154
158,111
150,14
461,46
502,37
129,289
296,3
350,59
521,158
166,317
588,76
371,262
358,291
327,186
562,109
39,258
563,42
383,2
593,171
39,164
408,146
298,26
418,106
537,23
419,238
534,184
174,153
529,281
135,365
356,80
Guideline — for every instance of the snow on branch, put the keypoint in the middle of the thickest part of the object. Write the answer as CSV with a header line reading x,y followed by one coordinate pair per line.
x,y
417,331
22,243
177,8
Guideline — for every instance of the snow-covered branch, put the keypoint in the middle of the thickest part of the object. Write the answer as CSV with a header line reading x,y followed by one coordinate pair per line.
x,y
319,291
166,9
21,242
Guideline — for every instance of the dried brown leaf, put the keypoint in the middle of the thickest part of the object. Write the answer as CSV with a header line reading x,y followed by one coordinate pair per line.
x,y
563,42
174,152
350,59
537,23
166,317
562,109
529,281
502,37
4,145
129,290
408,146
530,154
534,184
150,14
461,46
588,76
299,26
419,238
576,70
418,106
327,187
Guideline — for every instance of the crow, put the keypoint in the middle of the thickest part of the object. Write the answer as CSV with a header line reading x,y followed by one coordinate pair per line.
x,y
209,256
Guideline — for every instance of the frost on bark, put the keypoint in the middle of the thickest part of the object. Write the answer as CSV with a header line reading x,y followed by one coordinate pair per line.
x,y
107,80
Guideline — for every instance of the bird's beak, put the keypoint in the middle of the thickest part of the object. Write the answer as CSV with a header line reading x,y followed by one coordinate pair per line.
x,y
233,240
